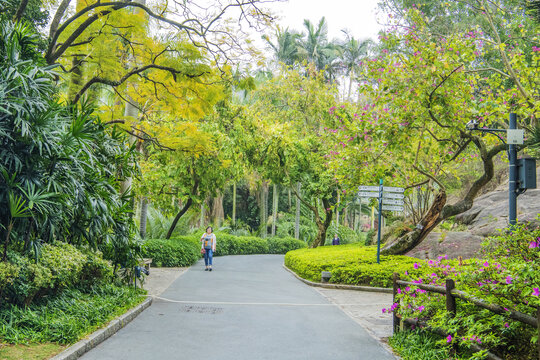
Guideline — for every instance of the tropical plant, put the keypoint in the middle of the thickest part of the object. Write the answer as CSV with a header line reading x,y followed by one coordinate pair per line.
x,y
59,166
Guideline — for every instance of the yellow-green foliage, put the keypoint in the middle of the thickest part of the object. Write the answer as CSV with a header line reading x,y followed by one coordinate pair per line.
x,y
349,264
64,261
8,272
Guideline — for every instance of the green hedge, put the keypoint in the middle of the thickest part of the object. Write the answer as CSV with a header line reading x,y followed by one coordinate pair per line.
x,y
247,245
180,251
352,264
185,250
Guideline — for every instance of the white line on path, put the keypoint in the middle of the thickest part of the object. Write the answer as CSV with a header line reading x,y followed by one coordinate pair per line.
x,y
257,303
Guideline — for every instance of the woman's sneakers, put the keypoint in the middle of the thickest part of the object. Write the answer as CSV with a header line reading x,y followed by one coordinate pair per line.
x,y
206,269
210,269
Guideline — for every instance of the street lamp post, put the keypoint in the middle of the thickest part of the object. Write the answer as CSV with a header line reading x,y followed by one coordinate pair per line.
x,y
513,175
519,181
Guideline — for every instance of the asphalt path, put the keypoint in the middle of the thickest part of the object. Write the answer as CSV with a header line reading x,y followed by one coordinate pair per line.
x,y
248,307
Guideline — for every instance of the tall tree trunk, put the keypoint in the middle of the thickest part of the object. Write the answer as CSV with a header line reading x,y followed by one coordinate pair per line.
x,y
322,224
274,208
234,204
264,210
337,209
183,210
144,216
217,211
297,215
346,216
290,202
428,223
203,214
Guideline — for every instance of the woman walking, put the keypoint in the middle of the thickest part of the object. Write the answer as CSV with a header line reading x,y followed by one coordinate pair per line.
x,y
208,247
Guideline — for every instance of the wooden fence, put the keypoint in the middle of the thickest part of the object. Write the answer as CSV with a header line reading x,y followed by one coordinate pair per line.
x,y
451,294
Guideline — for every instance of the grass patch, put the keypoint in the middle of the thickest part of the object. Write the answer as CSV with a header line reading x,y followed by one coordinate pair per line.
x,y
29,352
352,264
67,317
422,345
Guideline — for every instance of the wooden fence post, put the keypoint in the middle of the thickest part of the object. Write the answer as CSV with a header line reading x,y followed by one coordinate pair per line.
x,y
450,299
395,319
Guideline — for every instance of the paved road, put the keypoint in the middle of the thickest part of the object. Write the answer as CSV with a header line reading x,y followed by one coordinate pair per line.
x,y
249,307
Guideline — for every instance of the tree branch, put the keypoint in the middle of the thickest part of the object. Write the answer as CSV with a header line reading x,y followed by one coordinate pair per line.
x,y
135,71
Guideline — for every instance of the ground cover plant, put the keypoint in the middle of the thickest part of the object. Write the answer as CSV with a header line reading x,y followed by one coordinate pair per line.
x,y
507,275
67,317
352,264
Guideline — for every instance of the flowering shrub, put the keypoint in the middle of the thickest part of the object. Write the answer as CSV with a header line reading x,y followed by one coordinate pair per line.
x,y
508,275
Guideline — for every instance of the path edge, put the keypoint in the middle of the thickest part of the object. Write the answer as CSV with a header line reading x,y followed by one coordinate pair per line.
x,y
97,337
339,286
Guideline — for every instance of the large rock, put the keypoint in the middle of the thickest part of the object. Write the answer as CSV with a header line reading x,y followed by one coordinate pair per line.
x,y
490,211
452,244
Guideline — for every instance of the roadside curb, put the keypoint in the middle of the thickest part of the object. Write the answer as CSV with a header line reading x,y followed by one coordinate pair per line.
x,y
340,286
97,337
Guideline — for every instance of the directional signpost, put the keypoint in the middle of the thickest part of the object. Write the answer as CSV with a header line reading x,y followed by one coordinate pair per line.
x,y
390,199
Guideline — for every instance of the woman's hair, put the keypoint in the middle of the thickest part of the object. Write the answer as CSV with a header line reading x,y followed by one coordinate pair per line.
x,y
212,230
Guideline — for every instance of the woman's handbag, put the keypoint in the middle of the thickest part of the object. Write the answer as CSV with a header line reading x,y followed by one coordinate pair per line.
x,y
203,251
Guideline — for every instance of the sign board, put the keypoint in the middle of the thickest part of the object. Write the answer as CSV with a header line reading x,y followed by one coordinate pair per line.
x,y
514,136
368,188
393,196
392,202
392,208
368,194
393,189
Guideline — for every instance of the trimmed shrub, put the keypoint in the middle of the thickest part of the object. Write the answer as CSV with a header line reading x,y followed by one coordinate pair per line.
x,y
60,266
240,245
352,264
172,253
283,245
185,250
247,245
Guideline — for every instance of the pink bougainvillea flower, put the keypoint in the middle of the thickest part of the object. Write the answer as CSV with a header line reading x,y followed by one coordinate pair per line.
x,y
421,308
536,292
416,266
509,279
486,264
506,325
449,339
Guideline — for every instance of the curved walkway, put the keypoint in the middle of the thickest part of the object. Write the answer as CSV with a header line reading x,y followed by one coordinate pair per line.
x,y
249,307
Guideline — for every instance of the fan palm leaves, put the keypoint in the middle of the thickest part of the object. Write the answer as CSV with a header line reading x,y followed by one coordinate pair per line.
x,y
316,49
286,46
352,51
59,166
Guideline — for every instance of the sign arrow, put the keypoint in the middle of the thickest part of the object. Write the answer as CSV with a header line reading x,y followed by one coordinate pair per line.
x,y
368,194
368,188
393,196
393,189
392,208
392,202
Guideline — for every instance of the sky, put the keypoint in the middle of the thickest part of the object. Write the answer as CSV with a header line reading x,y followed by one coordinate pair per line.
x,y
358,16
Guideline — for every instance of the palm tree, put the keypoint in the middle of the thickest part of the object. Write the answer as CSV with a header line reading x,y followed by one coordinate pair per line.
x,y
352,52
316,49
286,48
